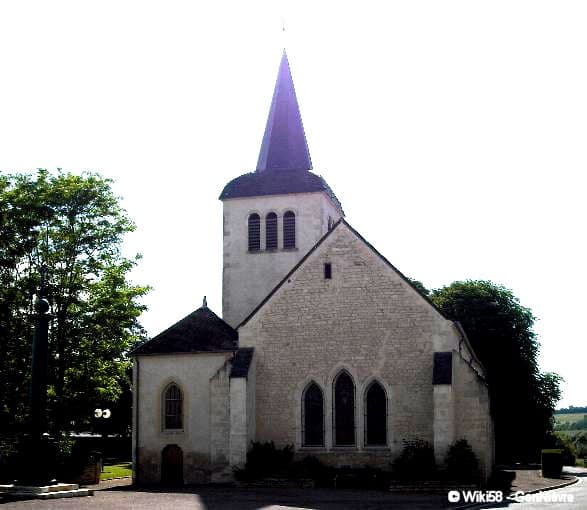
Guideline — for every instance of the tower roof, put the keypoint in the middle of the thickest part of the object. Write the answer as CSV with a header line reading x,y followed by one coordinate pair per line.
x,y
284,145
284,160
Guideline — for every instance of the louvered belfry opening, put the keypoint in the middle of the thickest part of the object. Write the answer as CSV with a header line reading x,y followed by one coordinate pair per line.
x,y
344,410
271,231
313,416
173,408
254,232
289,230
375,416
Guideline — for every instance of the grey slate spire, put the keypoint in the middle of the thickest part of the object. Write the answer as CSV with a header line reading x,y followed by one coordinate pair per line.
x,y
284,145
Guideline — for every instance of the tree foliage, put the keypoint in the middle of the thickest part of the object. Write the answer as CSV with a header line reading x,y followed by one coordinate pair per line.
x,y
73,225
500,330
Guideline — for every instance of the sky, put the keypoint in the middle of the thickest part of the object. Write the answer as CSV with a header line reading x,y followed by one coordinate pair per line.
x,y
453,132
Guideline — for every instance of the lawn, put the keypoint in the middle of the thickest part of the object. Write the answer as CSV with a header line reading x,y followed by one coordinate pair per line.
x,y
116,471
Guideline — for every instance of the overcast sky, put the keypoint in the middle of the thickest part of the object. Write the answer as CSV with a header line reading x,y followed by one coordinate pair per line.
x,y
454,133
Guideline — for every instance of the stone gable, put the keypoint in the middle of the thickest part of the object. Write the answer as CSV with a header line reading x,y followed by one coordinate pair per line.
x,y
366,319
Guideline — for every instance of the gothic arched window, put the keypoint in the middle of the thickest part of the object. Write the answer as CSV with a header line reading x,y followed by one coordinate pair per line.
x,y
173,407
344,410
254,232
271,231
375,415
313,416
289,230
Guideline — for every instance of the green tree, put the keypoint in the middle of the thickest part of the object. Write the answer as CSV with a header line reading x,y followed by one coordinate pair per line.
x,y
73,225
420,286
500,330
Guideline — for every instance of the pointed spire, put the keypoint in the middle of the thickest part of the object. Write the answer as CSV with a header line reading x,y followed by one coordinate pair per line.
x,y
205,303
284,145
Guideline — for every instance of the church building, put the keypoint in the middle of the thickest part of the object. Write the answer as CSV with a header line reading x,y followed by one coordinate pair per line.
x,y
323,344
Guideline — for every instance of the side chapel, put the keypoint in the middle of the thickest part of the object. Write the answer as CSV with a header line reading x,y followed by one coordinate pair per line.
x,y
323,344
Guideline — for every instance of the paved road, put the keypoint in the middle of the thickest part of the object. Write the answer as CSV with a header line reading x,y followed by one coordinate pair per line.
x,y
557,498
210,498
234,499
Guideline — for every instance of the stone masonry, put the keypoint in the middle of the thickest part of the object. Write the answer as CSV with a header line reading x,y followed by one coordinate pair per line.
x,y
369,321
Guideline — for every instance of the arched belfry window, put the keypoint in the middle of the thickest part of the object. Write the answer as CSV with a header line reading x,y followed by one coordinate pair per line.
x,y
344,410
289,230
254,232
173,404
313,416
375,415
271,231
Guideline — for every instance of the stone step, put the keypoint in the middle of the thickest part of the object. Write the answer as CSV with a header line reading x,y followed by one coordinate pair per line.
x,y
59,490
39,489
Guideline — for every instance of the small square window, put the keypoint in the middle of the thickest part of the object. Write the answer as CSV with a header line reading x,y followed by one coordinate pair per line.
x,y
328,271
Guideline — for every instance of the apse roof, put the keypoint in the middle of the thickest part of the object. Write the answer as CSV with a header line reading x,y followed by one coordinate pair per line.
x,y
200,331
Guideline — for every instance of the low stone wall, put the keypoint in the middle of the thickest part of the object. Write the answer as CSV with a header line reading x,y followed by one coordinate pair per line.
x,y
89,475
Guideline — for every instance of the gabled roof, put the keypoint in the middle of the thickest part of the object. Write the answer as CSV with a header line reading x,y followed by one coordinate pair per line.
x,y
200,331
314,248
284,145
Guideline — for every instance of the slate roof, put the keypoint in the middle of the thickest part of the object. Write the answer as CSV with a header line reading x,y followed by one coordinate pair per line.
x,y
277,182
284,145
284,159
241,362
200,331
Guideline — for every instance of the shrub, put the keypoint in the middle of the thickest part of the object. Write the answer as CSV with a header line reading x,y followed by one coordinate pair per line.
x,y
565,445
461,462
580,444
416,461
310,467
8,453
264,459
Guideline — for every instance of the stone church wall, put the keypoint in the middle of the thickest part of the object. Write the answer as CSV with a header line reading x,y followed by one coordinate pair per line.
x,y
366,320
199,439
473,418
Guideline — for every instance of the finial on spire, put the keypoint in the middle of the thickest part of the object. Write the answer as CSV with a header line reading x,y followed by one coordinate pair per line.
x,y
205,303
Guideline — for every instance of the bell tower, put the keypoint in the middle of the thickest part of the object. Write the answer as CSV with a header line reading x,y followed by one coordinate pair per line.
x,y
273,216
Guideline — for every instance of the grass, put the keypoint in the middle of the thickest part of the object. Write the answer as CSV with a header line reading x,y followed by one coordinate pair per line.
x,y
570,433
566,418
116,471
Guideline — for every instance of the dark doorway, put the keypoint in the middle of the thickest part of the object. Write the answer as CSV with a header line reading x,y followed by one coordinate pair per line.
x,y
172,465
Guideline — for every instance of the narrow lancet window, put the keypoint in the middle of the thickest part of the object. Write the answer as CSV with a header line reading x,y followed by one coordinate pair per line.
x,y
254,232
327,271
344,410
289,230
173,407
313,416
375,416
271,231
